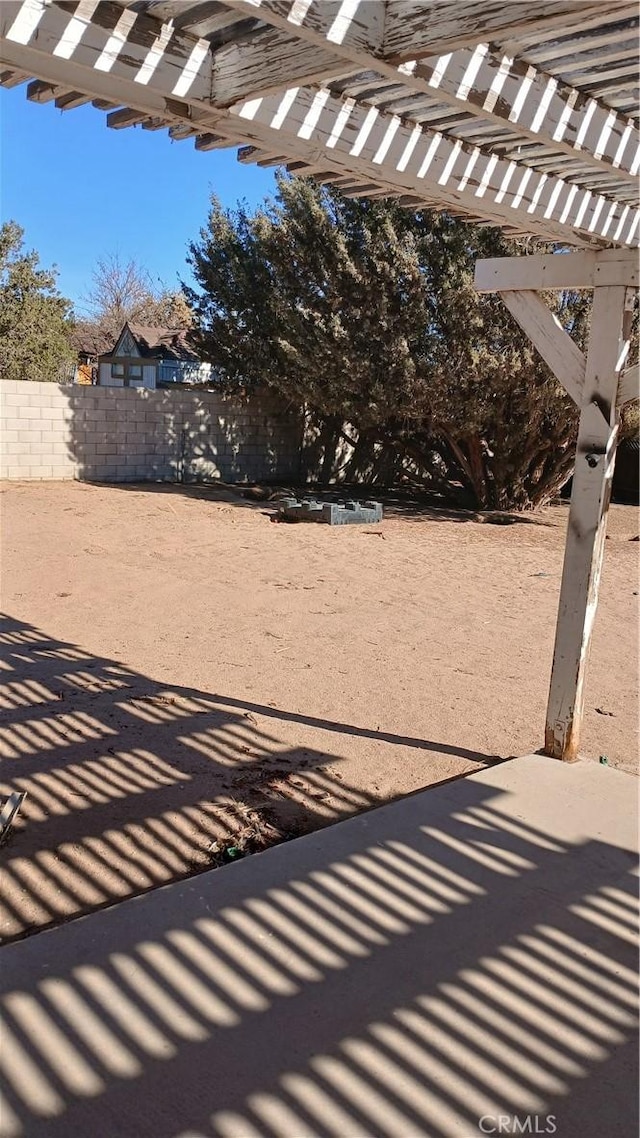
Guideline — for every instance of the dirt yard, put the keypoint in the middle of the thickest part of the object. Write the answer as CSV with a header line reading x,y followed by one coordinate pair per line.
x,y
185,681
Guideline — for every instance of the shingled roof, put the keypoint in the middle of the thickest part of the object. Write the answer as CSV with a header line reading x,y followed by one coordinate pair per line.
x,y
158,343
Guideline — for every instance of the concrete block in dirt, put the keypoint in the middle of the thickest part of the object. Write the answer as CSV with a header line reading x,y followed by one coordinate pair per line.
x,y
330,513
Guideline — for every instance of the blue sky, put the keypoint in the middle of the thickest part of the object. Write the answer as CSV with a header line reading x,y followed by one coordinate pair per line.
x,y
81,191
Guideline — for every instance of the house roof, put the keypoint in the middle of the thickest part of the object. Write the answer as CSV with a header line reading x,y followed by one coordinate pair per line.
x,y
163,343
158,343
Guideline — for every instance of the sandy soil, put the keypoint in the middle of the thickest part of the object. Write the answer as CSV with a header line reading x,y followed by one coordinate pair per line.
x,y
182,677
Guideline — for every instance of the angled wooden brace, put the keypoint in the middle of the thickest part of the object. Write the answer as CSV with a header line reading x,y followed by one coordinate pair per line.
x,y
546,333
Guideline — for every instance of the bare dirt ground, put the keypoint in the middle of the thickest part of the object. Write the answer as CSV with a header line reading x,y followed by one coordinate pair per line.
x,y
184,681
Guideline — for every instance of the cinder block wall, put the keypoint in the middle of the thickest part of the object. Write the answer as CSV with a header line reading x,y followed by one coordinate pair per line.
x,y
105,434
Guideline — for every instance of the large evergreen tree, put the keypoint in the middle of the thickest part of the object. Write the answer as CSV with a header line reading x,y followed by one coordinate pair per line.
x,y
367,314
34,317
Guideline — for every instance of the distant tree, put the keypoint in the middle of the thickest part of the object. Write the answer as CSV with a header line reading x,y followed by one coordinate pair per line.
x,y
34,318
367,315
124,291
173,310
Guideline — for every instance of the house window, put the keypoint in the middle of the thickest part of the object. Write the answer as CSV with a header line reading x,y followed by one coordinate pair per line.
x,y
135,371
117,371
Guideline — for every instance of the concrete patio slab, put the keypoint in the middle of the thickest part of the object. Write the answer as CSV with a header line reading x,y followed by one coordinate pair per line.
x,y
461,962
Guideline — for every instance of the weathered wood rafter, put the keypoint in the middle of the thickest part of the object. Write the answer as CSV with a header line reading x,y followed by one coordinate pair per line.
x,y
198,19
476,129
424,162
98,67
151,69
457,23
490,88
10,78
357,27
400,31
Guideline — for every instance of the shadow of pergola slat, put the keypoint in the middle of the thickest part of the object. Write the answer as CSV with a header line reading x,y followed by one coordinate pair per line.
x,y
281,991
130,785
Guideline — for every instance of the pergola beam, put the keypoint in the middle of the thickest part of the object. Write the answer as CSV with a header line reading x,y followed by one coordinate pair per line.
x,y
558,270
72,100
457,23
487,85
10,79
126,116
348,24
209,17
433,166
148,67
122,44
391,31
265,63
117,85
40,92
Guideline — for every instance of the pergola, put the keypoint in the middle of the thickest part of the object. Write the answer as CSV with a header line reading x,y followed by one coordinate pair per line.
x,y
518,115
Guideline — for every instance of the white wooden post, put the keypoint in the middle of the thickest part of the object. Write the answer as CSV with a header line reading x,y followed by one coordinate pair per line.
x,y
595,458
600,387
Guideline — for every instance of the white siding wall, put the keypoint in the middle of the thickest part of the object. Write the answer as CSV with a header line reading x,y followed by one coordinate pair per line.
x,y
105,378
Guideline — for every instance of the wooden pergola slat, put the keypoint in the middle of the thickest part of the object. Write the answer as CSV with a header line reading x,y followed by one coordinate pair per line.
x,y
486,84
144,58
